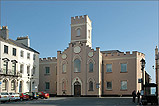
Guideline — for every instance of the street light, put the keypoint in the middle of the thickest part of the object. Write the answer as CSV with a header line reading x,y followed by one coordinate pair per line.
x,y
142,68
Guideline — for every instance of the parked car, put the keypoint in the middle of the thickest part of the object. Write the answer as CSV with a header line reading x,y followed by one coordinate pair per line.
x,y
4,97
24,96
14,96
33,95
43,95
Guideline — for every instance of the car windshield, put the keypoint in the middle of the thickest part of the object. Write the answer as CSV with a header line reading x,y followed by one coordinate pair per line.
x,y
4,93
25,94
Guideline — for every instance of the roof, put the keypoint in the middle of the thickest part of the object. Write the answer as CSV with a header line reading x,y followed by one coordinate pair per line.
x,y
15,43
111,51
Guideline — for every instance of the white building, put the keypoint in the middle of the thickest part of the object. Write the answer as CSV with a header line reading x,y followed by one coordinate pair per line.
x,y
19,64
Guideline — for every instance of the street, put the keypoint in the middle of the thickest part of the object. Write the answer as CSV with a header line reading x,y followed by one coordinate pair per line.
x,y
109,101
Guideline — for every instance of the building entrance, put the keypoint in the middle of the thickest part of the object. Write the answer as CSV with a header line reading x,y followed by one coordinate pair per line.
x,y
77,89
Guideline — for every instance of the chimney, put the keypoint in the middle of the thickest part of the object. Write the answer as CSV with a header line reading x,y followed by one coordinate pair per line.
x,y
24,40
4,32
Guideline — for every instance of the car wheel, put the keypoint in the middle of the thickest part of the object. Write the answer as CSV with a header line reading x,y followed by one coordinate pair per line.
x,y
42,97
21,99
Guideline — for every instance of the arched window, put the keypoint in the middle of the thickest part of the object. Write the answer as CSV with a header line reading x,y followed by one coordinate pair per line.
x,y
78,32
12,85
64,68
63,85
90,86
4,85
77,65
90,67
33,86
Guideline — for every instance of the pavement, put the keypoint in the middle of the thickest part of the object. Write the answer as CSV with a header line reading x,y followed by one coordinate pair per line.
x,y
89,101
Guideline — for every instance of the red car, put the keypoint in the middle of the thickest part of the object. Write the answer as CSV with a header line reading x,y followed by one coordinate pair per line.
x,y
43,95
24,96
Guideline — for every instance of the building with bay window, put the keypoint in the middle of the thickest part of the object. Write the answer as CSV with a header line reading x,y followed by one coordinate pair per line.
x,y
19,64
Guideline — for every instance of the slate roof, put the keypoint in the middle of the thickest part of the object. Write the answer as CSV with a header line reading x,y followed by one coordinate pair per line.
x,y
111,51
15,43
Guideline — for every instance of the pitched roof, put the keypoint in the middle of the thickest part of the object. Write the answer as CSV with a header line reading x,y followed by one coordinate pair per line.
x,y
111,51
15,43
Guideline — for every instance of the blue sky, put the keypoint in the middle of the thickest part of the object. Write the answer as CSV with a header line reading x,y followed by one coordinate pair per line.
x,y
122,25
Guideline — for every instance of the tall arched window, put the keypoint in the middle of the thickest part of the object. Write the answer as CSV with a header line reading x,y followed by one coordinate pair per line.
x,y
90,67
78,32
63,85
33,86
64,68
90,86
13,85
4,85
77,65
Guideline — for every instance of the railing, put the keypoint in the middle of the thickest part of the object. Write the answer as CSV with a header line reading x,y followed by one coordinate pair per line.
x,y
10,72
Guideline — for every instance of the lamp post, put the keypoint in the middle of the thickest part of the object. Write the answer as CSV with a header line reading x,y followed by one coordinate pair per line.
x,y
142,68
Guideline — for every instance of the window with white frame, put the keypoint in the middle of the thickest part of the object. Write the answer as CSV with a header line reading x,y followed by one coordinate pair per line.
x,y
5,67
21,53
34,56
4,85
5,49
123,67
28,55
28,70
13,68
123,85
109,85
21,68
12,85
14,51
108,67
34,68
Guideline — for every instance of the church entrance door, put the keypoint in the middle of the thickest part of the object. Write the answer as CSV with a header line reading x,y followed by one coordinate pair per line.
x,y
77,89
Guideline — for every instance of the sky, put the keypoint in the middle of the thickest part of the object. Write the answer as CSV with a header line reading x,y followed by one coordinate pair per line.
x,y
116,25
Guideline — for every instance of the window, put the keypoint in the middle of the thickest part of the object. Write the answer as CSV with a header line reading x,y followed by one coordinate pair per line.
x,y
13,85
78,32
5,49
123,85
21,53
90,86
28,70
21,68
34,56
28,55
47,70
4,85
89,34
77,65
108,67
64,68
123,67
5,67
47,85
13,68
90,67
109,85
63,85
14,51
34,70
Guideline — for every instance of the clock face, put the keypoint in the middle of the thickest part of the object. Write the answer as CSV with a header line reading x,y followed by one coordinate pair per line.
x,y
90,54
64,56
77,49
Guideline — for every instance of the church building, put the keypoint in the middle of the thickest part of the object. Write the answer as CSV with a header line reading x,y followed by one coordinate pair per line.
x,y
84,71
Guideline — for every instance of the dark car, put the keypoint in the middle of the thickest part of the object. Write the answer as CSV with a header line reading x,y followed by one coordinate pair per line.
x,y
43,95
24,96
33,95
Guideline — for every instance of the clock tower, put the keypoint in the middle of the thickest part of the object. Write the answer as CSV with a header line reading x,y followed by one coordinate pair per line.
x,y
81,30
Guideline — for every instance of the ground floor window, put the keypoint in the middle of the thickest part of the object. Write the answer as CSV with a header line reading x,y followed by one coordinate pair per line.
x,y
47,85
4,85
13,85
123,85
90,86
109,85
